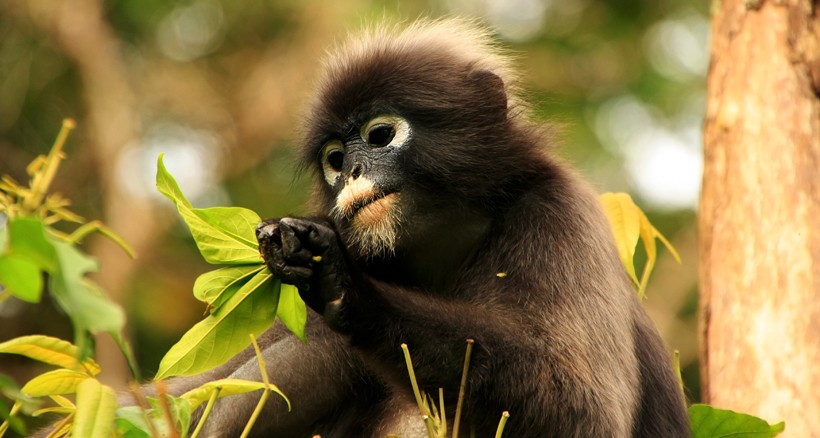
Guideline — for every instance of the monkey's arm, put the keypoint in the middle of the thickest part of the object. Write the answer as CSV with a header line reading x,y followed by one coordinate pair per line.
x,y
378,317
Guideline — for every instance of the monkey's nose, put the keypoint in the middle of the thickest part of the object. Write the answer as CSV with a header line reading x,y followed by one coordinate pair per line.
x,y
356,171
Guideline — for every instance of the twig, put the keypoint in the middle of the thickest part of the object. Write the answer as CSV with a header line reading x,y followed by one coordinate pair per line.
x,y
462,388
139,399
162,396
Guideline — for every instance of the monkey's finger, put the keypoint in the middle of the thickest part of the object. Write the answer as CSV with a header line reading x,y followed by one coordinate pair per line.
x,y
267,229
314,235
296,273
303,257
291,243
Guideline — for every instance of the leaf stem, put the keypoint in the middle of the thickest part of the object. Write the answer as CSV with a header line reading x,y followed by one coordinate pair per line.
x,y
84,230
265,393
501,423
162,397
443,422
42,180
208,408
412,374
5,426
139,400
462,388
59,428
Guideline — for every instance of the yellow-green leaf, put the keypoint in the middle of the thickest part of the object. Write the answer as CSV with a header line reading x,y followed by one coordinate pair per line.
x,y
224,333
96,407
52,351
55,382
22,277
226,387
292,311
224,235
215,287
625,222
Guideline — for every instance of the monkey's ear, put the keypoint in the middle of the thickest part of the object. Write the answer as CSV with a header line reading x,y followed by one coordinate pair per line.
x,y
491,90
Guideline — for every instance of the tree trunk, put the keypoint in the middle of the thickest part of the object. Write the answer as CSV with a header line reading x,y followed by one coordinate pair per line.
x,y
759,217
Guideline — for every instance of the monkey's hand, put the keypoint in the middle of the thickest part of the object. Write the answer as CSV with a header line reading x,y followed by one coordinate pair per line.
x,y
307,254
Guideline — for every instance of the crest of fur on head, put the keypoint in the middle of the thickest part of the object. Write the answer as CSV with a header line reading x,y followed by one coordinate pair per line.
x,y
466,40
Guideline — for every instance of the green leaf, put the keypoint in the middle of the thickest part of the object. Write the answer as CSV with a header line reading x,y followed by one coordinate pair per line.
x,y
22,277
55,382
90,310
227,387
710,422
52,351
96,408
130,423
215,287
224,235
180,410
625,222
28,238
224,333
292,310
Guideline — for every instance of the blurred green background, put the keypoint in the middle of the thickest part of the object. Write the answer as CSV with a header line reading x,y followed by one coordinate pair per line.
x,y
220,85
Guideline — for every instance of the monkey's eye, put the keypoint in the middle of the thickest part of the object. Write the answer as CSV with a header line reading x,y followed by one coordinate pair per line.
x,y
333,157
386,130
380,135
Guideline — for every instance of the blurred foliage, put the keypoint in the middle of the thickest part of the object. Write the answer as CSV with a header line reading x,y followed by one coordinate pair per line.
x,y
220,85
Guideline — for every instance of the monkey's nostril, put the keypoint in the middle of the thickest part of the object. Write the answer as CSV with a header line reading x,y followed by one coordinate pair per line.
x,y
357,171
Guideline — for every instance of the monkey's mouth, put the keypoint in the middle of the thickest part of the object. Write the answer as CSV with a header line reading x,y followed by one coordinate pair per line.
x,y
372,210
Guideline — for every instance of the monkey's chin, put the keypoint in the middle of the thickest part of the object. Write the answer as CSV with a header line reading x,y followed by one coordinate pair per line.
x,y
374,227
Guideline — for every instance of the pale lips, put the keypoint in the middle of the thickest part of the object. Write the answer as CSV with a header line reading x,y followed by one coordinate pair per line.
x,y
375,211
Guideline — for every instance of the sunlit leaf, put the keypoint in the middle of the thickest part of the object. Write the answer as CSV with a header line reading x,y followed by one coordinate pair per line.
x,y
22,277
625,221
215,287
224,333
227,387
28,238
710,422
96,407
52,351
292,311
224,235
54,382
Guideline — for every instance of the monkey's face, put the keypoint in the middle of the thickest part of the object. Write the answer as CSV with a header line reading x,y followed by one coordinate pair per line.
x,y
363,173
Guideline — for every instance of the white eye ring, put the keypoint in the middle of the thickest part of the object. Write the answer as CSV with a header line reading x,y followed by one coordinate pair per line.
x,y
401,129
332,154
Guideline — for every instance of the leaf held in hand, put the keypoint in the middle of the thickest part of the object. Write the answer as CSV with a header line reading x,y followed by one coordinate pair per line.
x,y
224,235
223,334
292,311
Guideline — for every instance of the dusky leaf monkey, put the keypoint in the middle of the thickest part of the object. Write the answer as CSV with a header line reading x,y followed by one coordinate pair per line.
x,y
431,180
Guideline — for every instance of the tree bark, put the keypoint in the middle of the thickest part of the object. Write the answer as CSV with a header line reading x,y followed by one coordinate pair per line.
x,y
759,218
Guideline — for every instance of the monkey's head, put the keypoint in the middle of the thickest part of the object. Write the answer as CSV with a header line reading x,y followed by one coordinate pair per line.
x,y
414,130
